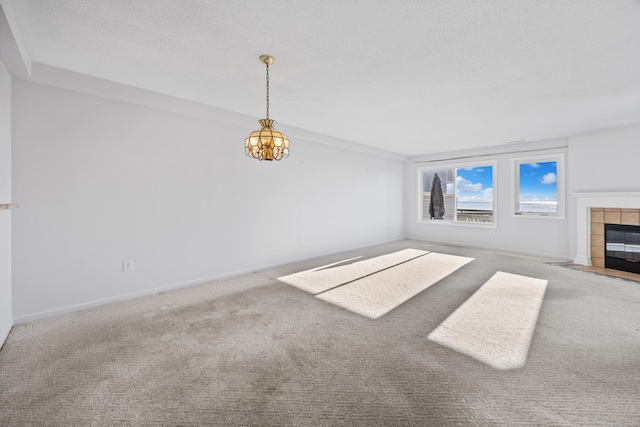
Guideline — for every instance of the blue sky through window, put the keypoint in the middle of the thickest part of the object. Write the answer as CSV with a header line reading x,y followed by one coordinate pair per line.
x,y
538,182
475,187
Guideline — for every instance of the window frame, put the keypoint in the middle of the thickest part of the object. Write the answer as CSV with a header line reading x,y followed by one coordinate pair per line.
x,y
433,166
559,158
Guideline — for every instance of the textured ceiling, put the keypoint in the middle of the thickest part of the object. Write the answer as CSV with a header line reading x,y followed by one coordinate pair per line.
x,y
412,76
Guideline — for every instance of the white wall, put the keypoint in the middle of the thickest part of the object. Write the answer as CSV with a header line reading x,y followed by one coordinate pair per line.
x,y
6,315
102,181
603,161
537,236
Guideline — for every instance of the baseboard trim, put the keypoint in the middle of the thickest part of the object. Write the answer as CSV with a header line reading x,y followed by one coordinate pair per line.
x,y
581,260
557,257
118,298
5,334
32,317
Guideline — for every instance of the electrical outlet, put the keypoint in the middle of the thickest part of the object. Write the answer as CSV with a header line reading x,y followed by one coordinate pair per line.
x,y
127,266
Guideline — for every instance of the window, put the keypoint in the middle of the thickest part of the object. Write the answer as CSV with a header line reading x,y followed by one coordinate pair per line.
x,y
539,186
462,194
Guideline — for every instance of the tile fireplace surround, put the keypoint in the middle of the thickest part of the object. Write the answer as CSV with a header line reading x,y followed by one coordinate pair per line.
x,y
596,209
602,216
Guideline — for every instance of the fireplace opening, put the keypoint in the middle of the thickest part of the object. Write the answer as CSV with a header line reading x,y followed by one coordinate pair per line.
x,y
622,247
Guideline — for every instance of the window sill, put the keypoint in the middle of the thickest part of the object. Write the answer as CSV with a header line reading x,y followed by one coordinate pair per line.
x,y
538,216
464,224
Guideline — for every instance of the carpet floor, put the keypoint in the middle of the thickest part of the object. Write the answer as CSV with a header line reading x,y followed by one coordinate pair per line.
x,y
496,324
373,292
253,351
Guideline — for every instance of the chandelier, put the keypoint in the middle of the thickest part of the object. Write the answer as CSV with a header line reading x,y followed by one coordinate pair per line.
x,y
267,143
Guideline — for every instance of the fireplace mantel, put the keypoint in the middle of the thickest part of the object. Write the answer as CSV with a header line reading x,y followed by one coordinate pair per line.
x,y
586,201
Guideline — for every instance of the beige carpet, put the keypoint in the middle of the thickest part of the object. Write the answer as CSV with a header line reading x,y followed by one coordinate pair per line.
x,y
253,351
375,295
329,276
496,324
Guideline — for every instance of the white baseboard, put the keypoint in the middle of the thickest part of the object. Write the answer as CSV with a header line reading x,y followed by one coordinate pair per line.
x,y
581,260
5,334
95,303
539,255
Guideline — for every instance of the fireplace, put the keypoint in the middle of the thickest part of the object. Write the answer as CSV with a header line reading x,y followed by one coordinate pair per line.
x,y
622,247
593,210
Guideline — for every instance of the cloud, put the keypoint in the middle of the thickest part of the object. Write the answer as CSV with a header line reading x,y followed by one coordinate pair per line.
x,y
466,185
533,165
485,196
548,178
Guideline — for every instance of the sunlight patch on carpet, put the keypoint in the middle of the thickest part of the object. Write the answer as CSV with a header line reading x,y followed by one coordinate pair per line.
x,y
496,324
320,279
375,295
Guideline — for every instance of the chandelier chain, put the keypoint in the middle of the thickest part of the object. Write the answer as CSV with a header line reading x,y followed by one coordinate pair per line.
x,y
267,90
